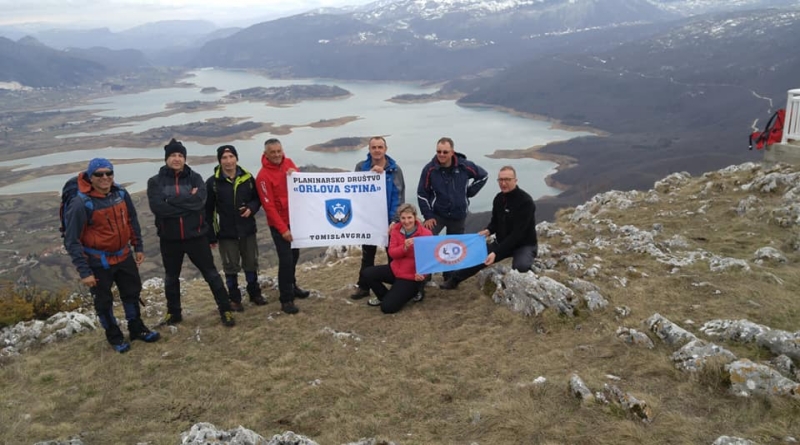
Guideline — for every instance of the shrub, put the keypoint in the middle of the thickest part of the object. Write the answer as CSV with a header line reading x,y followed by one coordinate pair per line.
x,y
24,304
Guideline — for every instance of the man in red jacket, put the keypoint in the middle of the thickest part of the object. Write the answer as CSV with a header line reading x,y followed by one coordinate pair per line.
x,y
274,195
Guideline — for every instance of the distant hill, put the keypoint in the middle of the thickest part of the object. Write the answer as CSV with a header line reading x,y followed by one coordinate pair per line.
x,y
30,63
682,100
115,60
431,40
150,36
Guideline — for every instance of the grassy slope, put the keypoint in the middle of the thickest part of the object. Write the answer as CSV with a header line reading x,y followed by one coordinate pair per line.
x,y
450,370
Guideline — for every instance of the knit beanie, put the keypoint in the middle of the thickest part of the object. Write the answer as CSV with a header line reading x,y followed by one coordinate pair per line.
x,y
96,163
221,151
174,147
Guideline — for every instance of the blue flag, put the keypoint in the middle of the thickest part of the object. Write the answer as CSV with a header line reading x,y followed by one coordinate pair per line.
x,y
448,252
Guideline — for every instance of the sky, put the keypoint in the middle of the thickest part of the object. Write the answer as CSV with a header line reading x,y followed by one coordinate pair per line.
x,y
122,14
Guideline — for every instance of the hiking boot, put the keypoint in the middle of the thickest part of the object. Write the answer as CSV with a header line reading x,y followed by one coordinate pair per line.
x,y
289,308
449,284
254,291
235,295
227,318
360,293
171,319
237,306
300,293
419,296
374,301
139,331
122,347
258,300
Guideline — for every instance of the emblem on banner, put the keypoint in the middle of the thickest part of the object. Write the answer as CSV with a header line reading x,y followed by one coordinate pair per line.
x,y
450,252
339,212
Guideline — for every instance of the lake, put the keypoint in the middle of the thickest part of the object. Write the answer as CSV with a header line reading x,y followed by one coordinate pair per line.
x,y
411,131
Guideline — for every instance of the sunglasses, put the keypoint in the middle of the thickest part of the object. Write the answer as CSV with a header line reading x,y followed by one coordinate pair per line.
x,y
101,174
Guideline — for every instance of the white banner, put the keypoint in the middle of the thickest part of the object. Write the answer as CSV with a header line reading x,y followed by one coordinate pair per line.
x,y
335,209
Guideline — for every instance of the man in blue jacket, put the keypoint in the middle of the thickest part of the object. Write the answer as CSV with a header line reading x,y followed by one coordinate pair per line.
x,y
445,186
177,197
378,162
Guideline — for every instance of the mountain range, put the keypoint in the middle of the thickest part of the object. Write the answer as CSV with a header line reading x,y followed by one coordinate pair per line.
x,y
676,84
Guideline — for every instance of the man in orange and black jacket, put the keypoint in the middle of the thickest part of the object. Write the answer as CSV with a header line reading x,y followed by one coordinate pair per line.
x,y
101,230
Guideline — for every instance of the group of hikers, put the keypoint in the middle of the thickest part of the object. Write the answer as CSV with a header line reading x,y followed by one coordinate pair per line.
x,y
194,216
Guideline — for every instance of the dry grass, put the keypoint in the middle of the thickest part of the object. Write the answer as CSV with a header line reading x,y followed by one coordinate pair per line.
x,y
454,369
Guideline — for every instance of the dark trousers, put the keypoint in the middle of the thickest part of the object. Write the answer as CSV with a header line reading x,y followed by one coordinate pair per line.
x,y
392,300
234,252
199,252
522,261
287,263
453,226
368,260
126,276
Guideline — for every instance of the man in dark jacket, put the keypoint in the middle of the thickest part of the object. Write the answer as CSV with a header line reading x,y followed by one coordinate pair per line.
x,y
379,162
177,197
231,207
99,242
445,186
514,225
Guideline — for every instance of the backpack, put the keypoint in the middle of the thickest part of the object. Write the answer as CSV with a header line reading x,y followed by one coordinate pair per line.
x,y
773,131
69,192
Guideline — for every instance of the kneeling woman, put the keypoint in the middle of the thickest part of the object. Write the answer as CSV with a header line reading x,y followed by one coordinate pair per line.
x,y
401,272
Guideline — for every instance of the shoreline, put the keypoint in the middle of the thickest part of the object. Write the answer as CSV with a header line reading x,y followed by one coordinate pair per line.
x,y
562,162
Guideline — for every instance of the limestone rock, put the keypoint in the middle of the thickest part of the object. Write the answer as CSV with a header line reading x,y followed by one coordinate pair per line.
x,y
290,438
24,335
737,330
785,366
73,441
668,331
622,312
595,301
66,324
748,378
637,408
719,264
370,441
579,285
531,294
579,389
634,337
728,440
672,182
204,433
781,342
770,254
747,205
693,356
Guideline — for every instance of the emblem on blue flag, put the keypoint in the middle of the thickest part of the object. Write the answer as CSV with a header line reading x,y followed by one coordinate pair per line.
x,y
339,212
450,251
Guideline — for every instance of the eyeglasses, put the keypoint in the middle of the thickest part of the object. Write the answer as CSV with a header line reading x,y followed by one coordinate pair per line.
x,y
443,152
505,179
101,174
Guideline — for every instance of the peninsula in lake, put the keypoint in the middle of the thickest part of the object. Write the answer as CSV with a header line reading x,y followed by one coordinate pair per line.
x,y
291,94
341,144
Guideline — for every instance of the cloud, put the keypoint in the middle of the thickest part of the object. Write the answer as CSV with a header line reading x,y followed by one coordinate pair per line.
x,y
122,13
